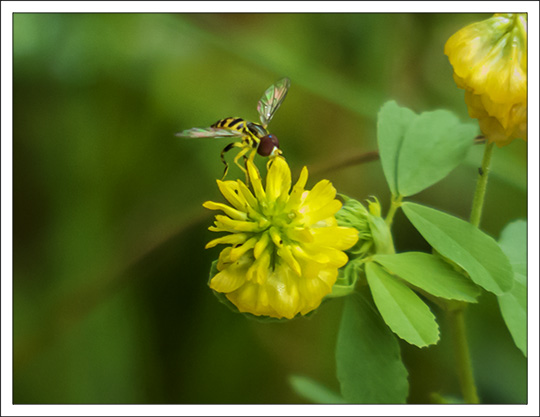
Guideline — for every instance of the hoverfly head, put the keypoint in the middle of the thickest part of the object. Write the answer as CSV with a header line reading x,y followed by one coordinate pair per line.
x,y
268,145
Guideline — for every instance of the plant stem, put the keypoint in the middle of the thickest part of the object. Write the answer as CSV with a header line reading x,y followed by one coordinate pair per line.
x,y
456,315
394,204
479,194
461,351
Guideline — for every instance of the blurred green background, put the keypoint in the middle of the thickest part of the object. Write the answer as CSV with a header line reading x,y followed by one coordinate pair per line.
x,y
110,297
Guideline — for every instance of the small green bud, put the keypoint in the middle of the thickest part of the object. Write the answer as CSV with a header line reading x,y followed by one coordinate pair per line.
x,y
381,235
374,233
375,207
354,214
373,237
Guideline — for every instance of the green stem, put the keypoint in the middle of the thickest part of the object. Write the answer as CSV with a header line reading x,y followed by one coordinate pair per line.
x,y
461,351
479,194
456,315
394,205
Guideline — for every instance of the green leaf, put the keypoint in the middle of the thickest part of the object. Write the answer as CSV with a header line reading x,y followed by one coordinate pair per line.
x,y
402,310
513,304
369,366
513,242
419,150
466,245
392,124
431,274
314,391
435,143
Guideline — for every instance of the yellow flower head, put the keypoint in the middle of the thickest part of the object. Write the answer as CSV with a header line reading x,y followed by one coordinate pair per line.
x,y
490,63
285,249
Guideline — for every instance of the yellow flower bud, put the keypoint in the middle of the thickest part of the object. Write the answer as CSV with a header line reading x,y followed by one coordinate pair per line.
x,y
490,63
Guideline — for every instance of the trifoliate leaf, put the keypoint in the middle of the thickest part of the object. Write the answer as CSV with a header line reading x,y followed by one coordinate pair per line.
x,y
466,245
417,151
402,310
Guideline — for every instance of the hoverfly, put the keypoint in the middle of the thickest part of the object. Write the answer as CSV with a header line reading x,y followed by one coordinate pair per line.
x,y
253,137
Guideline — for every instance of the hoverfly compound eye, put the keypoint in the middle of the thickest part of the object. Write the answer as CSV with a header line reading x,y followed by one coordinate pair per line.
x,y
267,145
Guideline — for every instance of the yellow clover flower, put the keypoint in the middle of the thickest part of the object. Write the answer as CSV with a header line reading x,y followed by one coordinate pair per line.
x,y
285,249
490,63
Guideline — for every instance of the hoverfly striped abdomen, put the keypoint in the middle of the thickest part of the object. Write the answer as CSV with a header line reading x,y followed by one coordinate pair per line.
x,y
240,125
234,123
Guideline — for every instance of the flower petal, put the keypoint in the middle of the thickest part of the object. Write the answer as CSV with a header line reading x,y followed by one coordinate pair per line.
x,y
300,234
309,256
252,298
227,224
238,251
223,260
278,180
229,279
229,189
283,293
248,196
256,182
233,239
328,275
322,193
341,238
313,291
285,253
259,270
296,194
326,255
312,217
229,211
261,245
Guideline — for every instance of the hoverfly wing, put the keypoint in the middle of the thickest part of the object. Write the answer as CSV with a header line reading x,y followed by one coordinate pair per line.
x,y
272,99
209,132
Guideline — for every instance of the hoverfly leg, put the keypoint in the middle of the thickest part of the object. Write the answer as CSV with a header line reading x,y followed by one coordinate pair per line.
x,y
225,171
241,154
252,155
223,152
